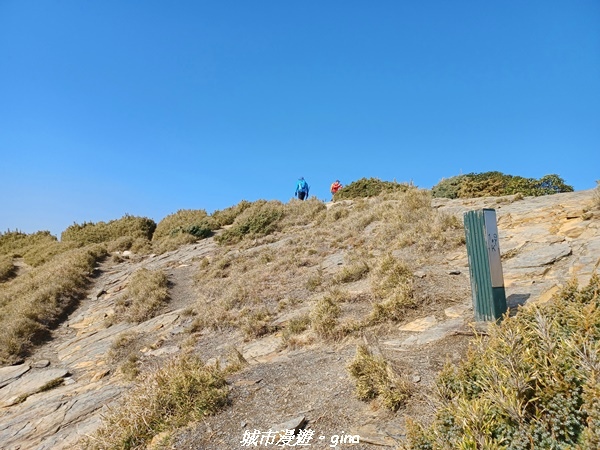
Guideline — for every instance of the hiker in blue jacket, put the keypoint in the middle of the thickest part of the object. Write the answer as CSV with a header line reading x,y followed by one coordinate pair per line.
x,y
301,189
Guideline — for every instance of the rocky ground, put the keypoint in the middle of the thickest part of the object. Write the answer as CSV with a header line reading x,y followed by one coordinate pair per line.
x,y
59,394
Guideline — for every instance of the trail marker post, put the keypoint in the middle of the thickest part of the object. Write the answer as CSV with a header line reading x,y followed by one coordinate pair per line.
x,y
485,266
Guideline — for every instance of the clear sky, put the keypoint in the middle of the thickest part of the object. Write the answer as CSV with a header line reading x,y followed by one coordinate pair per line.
x,y
147,107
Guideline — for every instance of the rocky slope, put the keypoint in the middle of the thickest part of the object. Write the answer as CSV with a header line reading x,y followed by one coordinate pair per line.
x,y
59,394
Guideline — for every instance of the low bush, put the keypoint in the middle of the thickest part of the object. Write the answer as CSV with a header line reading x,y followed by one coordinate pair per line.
x,y
369,187
96,233
534,383
228,215
374,378
448,187
18,244
260,219
494,184
194,222
181,391
146,294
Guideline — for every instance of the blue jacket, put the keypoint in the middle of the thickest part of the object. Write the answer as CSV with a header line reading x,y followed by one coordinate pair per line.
x,y
301,186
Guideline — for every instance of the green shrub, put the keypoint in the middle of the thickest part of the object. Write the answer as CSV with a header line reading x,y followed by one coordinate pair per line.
x,y
494,184
533,383
191,221
96,233
369,187
228,215
146,294
260,219
181,391
375,379
448,187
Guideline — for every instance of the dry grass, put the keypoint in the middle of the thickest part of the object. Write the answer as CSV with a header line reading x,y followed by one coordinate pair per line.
x,y
374,378
392,285
35,249
170,397
324,318
597,195
124,352
170,243
261,274
30,306
146,293
256,323
7,268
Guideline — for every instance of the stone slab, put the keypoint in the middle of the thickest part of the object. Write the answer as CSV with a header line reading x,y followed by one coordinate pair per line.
x,y
29,385
12,373
419,324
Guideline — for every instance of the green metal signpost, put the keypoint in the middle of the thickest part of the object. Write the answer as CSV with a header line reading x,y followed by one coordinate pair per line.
x,y
485,266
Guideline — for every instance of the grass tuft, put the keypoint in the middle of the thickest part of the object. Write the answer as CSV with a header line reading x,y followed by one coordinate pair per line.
x,y
324,318
146,294
182,391
375,379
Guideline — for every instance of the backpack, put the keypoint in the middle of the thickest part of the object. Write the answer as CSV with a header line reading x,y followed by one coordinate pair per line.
x,y
302,186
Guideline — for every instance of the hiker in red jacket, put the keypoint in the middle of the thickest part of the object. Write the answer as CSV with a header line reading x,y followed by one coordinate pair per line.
x,y
336,186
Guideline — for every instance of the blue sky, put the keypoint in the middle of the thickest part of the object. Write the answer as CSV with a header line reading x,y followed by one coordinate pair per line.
x,y
145,108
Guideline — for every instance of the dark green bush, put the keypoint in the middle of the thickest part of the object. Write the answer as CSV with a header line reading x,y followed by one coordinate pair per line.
x,y
494,184
369,187
532,384
96,233
448,187
260,219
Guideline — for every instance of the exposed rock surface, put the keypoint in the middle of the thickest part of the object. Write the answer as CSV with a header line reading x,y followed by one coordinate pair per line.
x,y
544,241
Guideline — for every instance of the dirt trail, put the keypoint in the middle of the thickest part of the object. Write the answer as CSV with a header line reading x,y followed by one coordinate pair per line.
x,y
545,242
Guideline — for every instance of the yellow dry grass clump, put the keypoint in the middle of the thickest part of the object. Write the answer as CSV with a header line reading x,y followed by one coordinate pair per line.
x,y
375,379
30,306
182,390
146,293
